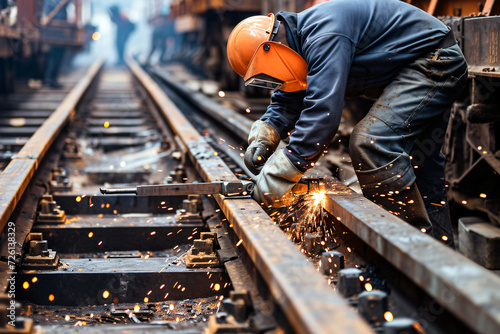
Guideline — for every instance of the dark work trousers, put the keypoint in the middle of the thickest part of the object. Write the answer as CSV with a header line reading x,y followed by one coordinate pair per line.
x,y
398,143
54,63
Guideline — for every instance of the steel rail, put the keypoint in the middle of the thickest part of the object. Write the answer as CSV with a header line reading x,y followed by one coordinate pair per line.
x,y
467,290
18,173
309,304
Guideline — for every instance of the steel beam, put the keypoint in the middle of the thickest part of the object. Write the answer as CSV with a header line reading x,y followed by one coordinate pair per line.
x,y
82,282
93,234
310,305
467,290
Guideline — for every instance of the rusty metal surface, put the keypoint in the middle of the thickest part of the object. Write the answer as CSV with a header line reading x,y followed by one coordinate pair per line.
x,y
13,181
467,290
309,304
16,176
480,42
84,281
86,234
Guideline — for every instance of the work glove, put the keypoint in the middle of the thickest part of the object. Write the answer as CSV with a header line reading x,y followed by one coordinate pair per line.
x,y
274,183
263,140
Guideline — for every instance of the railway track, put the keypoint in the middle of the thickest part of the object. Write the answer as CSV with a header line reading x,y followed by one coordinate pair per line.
x,y
111,262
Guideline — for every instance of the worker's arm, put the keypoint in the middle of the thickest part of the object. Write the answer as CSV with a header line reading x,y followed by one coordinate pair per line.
x,y
329,59
266,133
284,111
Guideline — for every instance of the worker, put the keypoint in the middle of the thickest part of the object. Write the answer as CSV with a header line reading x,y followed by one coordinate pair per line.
x,y
163,30
386,49
124,28
55,56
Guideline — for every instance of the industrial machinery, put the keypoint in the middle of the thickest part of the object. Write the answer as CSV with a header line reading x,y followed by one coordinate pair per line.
x,y
27,32
472,146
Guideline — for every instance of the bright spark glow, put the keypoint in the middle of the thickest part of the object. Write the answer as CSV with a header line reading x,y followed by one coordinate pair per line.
x,y
105,294
388,316
106,124
146,299
96,36
78,199
368,287
34,279
482,195
51,297
26,285
217,287
137,308
222,93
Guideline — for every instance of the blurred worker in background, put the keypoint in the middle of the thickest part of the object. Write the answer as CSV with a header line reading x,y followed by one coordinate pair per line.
x,y
389,50
164,29
123,30
54,10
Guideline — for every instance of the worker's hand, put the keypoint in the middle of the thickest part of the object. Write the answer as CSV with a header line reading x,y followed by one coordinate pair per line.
x,y
274,183
263,140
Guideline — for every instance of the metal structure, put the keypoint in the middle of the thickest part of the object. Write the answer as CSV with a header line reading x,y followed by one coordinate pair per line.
x,y
26,33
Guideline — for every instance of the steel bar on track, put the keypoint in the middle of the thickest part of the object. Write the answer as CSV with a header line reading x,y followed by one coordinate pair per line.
x,y
16,176
467,290
309,304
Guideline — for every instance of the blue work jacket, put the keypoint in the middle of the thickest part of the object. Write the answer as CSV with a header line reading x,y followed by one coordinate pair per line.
x,y
349,46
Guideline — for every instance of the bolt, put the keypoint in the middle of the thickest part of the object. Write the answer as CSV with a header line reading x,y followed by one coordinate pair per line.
x,y
372,305
312,243
331,262
267,47
239,304
349,283
39,247
205,246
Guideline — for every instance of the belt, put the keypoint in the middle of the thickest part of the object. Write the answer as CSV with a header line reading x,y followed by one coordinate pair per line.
x,y
447,41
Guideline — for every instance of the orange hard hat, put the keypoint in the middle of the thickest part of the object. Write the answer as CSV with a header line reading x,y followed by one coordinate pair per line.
x,y
264,63
246,38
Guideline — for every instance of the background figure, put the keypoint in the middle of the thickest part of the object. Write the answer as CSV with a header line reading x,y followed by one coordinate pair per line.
x,y
163,30
56,53
123,30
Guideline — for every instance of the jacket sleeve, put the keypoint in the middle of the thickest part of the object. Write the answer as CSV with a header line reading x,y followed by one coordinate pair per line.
x,y
329,59
284,111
